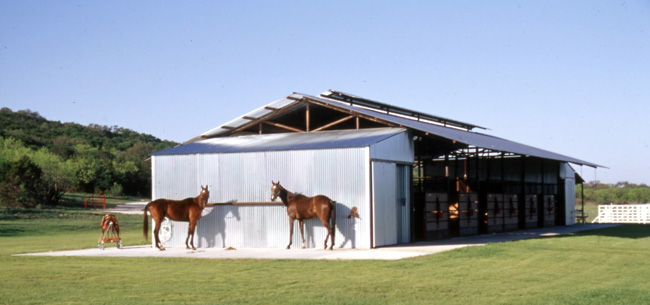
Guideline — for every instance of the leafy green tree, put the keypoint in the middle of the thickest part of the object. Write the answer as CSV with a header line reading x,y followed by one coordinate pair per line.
x,y
72,157
621,192
30,178
21,184
57,172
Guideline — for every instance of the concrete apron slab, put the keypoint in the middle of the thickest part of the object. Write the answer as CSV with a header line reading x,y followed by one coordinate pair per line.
x,y
383,253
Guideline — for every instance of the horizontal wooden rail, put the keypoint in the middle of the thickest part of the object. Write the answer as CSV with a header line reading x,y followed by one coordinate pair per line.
x,y
244,203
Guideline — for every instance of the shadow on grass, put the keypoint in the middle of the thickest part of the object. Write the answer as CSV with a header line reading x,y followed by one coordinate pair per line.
x,y
621,231
6,231
634,231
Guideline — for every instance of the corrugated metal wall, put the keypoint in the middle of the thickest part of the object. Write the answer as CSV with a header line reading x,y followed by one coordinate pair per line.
x,y
176,177
342,174
397,148
568,174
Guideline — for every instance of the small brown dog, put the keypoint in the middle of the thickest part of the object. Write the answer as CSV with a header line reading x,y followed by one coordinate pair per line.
x,y
354,213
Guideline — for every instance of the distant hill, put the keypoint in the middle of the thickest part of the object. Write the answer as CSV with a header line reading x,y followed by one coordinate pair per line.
x,y
36,131
91,158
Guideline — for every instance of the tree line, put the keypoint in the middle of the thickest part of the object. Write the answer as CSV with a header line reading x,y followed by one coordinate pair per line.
x,y
621,192
40,160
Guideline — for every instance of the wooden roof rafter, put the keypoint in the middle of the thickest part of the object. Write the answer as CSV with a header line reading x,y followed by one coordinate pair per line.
x,y
255,125
282,126
352,113
257,121
334,123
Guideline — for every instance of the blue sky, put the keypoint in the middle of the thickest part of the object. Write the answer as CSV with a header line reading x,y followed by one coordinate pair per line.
x,y
572,77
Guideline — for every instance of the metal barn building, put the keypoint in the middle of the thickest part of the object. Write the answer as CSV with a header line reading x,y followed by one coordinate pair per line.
x,y
411,176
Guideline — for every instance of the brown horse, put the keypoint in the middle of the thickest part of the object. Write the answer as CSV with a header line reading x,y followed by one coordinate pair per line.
x,y
106,220
302,207
188,210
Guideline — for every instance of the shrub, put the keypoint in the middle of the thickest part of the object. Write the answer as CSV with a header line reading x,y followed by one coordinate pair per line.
x,y
22,184
116,190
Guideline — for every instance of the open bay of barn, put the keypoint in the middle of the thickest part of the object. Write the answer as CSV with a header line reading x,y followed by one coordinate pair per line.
x,y
382,253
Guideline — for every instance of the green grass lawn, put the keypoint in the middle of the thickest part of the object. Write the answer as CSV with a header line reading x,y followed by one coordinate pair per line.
x,y
609,266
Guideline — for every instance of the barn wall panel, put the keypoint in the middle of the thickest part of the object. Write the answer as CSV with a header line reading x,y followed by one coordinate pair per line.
x,y
341,174
176,177
206,168
398,148
568,174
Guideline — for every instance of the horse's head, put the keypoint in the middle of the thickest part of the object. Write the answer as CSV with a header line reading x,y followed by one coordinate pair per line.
x,y
275,190
203,197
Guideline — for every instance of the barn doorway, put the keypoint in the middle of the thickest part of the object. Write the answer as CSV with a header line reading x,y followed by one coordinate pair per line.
x,y
391,203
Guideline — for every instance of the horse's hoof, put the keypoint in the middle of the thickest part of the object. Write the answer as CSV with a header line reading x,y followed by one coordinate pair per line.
x,y
288,247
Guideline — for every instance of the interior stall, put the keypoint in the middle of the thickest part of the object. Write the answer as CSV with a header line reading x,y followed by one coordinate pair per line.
x,y
462,191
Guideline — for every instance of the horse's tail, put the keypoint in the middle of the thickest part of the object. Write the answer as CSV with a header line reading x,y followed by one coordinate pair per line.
x,y
145,223
333,207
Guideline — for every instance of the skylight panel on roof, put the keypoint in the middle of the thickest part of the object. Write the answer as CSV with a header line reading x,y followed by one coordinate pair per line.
x,y
249,117
259,113
236,123
281,103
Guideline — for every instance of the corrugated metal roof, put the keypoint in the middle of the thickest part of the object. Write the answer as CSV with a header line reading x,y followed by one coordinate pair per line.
x,y
285,141
467,137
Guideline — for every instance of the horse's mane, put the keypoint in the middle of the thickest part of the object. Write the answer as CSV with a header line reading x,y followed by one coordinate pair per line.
x,y
295,195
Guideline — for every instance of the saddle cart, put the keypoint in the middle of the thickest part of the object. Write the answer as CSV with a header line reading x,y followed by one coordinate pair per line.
x,y
110,231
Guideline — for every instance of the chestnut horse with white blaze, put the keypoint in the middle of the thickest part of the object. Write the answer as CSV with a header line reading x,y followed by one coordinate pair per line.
x,y
302,207
188,210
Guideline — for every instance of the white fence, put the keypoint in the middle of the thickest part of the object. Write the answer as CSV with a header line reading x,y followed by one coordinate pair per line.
x,y
623,213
